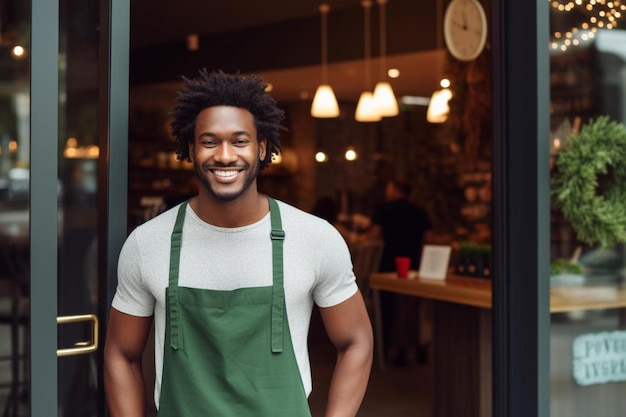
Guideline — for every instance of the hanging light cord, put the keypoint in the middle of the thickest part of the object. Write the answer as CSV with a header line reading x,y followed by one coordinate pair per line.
x,y
368,41
324,8
439,34
383,37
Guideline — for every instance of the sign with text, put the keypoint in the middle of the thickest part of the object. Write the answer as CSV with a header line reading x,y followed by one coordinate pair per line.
x,y
434,262
599,358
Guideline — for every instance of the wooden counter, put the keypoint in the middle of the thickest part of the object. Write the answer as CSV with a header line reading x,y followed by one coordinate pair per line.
x,y
462,339
455,289
476,292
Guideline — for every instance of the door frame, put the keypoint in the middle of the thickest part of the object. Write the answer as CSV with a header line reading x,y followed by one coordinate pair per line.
x,y
521,220
113,76
44,127
521,187
113,88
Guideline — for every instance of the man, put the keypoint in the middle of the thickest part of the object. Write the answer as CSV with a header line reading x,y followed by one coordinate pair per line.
x,y
403,226
231,278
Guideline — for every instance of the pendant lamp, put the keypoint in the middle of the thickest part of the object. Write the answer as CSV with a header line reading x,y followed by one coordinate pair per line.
x,y
383,93
438,108
324,103
366,110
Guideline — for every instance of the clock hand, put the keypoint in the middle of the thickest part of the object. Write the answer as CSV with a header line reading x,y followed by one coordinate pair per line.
x,y
461,25
464,14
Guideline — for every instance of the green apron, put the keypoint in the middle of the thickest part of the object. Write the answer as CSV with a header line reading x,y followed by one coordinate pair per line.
x,y
229,353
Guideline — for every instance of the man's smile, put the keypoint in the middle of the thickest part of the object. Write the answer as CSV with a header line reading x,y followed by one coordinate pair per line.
x,y
226,173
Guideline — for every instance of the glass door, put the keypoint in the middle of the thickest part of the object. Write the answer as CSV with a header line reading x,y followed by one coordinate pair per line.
x,y
62,196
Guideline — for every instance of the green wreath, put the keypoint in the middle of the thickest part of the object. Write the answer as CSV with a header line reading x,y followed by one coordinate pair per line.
x,y
597,217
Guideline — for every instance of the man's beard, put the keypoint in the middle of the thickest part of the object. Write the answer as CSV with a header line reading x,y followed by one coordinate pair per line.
x,y
250,176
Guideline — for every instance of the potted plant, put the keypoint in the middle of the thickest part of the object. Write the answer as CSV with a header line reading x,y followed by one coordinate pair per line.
x,y
474,260
566,272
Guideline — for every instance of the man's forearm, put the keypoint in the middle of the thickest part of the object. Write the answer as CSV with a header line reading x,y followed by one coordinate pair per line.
x,y
124,386
349,381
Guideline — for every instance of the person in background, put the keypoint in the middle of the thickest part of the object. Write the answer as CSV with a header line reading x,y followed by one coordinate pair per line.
x,y
230,278
402,226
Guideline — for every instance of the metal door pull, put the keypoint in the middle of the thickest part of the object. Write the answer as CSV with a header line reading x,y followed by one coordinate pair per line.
x,y
80,348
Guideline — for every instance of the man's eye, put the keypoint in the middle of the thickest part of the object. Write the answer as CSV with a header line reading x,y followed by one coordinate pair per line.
x,y
241,142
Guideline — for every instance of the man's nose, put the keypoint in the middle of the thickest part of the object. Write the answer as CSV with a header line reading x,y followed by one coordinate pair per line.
x,y
226,153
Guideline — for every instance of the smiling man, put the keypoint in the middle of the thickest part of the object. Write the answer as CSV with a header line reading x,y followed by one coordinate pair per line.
x,y
230,278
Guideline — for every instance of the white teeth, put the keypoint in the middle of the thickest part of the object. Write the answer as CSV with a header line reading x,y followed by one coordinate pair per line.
x,y
225,174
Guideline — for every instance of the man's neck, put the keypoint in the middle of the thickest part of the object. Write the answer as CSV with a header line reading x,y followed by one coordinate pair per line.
x,y
245,210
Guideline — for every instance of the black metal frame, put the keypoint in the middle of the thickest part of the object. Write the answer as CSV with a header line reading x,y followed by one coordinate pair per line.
x,y
521,325
113,87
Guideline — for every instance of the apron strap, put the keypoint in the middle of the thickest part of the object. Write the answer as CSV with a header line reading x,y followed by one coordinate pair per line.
x,y
176,342
278,292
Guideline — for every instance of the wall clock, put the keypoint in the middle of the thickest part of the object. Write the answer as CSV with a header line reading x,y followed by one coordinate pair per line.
x,y
465,29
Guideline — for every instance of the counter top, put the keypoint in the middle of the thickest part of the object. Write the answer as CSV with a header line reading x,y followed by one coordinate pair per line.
x,y
477,292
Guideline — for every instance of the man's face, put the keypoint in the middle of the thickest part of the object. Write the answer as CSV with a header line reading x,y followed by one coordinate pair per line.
x,y
226,152
390,192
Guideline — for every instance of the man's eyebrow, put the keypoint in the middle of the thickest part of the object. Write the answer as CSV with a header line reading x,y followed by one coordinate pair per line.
x,y
237,133
242,132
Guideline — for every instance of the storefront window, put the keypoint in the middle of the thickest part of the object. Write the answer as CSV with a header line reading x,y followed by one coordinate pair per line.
x,y
588,211
14,200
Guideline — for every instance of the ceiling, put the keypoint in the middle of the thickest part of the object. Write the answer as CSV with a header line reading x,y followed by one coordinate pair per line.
x,y
161,21
155,22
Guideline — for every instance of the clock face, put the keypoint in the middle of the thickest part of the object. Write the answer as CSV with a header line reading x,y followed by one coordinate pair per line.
x,y
465,29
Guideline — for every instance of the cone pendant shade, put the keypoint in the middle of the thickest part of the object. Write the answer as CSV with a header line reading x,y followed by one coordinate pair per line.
x,y
366,110
438,108
324,102
385,100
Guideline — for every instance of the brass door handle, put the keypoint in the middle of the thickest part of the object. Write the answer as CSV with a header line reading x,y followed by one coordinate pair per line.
x,y
80,347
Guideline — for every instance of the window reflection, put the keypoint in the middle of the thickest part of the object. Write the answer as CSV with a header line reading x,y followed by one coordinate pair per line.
x,y
14,218
588,271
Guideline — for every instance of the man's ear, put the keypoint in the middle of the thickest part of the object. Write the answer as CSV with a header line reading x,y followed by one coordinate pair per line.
x,y
191,145
262,149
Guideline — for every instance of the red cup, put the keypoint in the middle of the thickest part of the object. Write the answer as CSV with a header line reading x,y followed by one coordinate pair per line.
x,y
403,265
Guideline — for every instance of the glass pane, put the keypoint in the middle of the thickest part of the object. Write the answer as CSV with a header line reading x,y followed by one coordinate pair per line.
x,y
588,220
14,220
78,162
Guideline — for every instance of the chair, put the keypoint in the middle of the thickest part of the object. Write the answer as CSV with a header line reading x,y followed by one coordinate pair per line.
x,y
366,258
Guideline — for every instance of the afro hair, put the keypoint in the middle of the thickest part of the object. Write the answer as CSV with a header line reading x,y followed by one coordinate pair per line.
x,y
220,89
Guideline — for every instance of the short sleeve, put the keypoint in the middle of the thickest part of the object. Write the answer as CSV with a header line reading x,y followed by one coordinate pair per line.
x,y
132,295
336,281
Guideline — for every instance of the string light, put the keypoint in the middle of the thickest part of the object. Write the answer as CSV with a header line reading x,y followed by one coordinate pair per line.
x,y
321,156
602,14
351,155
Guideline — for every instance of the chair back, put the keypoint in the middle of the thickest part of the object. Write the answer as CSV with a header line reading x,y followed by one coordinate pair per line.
x,y
365,260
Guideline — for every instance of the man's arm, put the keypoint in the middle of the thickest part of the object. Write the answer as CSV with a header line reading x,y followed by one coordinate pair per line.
x,y
349,329
123,376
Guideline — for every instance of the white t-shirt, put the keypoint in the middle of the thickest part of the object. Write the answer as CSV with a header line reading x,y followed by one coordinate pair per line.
x,y
317,269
